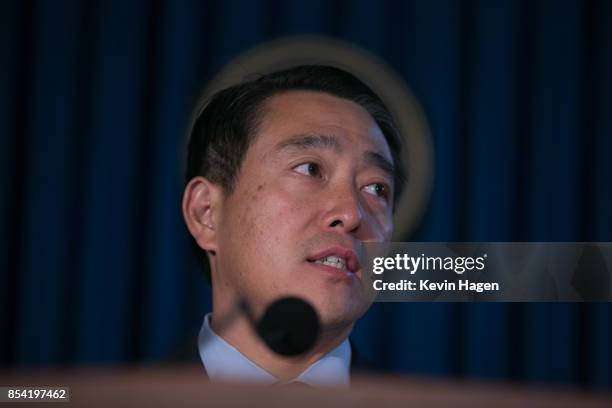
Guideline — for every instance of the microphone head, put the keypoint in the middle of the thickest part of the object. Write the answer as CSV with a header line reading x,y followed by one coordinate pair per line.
x,y
290,326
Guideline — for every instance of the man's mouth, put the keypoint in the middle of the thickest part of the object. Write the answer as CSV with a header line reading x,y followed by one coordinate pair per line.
x,y
337,257
333,261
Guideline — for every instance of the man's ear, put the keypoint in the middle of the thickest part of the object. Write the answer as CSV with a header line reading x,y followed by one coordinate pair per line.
x,y
202,201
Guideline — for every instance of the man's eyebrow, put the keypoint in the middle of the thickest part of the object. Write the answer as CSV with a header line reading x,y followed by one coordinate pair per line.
x,y
378,160
309,141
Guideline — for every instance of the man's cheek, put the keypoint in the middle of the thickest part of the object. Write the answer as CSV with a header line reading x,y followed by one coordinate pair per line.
x,y
283,210
382,227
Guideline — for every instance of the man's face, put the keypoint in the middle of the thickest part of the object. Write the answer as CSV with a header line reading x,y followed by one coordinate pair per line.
x,y
314,184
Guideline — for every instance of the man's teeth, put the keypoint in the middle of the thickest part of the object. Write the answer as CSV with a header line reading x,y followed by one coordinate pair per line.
x,y
333,261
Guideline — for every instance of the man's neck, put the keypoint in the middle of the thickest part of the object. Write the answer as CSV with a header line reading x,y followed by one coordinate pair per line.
x,y
242,336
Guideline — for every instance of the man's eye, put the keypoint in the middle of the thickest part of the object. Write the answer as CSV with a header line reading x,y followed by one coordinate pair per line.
x,y
377,189
309,169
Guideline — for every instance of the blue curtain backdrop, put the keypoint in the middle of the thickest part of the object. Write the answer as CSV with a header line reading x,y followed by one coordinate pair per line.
x,y
95,266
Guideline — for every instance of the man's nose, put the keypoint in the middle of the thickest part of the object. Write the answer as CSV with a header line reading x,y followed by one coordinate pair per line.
x,y
346,211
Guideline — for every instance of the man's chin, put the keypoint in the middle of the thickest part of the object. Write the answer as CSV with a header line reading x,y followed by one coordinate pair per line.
x,y
340,315
336,307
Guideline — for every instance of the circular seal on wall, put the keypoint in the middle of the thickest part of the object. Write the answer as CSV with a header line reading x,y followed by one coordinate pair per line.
x,y
417,152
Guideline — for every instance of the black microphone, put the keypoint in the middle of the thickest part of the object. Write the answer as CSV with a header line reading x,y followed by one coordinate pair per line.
x,y
289,326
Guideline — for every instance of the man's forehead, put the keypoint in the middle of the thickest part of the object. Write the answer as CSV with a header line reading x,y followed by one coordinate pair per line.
x,y
306,119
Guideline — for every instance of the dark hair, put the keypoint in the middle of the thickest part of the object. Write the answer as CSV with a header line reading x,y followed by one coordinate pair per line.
x,y
225,128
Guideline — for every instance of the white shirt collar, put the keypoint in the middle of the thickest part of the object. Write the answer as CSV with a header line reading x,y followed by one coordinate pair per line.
x,y
225,363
